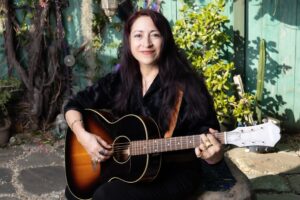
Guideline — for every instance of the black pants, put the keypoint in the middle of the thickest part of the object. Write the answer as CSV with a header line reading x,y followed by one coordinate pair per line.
x,y
174,182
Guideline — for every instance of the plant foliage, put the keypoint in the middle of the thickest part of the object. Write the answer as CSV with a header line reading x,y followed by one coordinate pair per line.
x,y
201,34
7,87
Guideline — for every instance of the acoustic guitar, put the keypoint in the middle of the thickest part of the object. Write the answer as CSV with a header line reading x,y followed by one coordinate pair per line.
x,y
137,147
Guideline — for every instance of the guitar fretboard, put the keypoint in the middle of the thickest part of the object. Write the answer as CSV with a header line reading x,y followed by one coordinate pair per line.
x,y
141,147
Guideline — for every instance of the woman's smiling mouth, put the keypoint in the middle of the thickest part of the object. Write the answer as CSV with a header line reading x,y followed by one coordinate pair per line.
x,y
147,52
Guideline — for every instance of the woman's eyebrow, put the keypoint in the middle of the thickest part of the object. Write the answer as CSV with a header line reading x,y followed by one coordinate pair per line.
x,y
144,31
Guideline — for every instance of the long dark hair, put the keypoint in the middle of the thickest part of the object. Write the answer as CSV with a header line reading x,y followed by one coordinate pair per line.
x,y
175,73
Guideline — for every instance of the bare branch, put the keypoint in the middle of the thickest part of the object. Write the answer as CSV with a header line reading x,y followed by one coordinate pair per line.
x,y
53,63
36,47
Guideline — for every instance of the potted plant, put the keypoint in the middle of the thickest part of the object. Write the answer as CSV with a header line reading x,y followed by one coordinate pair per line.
x,y
8,86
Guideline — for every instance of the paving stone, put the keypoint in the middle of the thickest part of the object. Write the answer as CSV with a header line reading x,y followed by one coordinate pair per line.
x,y
7,188
7,154
295,182
288,196
5,175
271,182
43,179
9,198
40,158
256,165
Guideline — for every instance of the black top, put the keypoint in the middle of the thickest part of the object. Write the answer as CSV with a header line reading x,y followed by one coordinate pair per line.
x,y
101,96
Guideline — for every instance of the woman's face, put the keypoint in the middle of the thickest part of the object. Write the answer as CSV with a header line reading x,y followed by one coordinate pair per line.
x,y
145,41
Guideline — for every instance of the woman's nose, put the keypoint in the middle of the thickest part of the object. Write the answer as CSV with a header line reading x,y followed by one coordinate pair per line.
x,y
147,41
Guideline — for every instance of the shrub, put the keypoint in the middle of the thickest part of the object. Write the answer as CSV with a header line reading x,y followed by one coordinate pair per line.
x,y
201,34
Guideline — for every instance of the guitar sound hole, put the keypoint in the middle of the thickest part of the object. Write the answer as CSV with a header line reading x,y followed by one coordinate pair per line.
x,y
121,149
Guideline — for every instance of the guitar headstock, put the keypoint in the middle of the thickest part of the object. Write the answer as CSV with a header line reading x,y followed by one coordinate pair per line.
x,y
267,134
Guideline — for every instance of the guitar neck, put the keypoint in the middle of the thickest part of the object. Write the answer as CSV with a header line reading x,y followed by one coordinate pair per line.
x,y
141,147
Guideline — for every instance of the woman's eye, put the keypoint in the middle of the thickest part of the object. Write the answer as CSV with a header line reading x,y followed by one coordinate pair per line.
x,y
155,35
137,35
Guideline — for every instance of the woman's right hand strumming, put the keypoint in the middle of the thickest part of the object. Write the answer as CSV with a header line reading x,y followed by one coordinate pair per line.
x,y
96,147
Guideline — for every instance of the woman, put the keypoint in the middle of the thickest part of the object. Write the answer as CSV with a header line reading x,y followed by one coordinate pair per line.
x,y
152,76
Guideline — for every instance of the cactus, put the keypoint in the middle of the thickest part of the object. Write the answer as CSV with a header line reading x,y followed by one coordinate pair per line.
x,y
260,78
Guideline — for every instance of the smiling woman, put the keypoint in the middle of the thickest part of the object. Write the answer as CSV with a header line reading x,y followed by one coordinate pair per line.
x,y
154,83
145,42
145,45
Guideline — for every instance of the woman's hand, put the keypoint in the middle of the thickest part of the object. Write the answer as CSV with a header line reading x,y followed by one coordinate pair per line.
x,y
210,149
96,147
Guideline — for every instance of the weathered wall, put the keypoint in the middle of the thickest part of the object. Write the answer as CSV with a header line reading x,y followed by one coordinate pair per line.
x,y
276,21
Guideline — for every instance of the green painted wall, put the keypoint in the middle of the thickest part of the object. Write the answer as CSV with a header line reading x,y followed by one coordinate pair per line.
x,y
278,22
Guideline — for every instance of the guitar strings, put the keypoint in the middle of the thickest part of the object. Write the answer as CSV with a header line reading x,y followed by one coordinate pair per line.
x,y
140,147
172,143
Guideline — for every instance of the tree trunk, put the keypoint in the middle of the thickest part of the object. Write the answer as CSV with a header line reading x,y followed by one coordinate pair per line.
x,y
44,78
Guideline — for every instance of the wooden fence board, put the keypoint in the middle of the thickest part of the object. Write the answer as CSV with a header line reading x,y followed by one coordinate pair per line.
x,y
296,107
278,23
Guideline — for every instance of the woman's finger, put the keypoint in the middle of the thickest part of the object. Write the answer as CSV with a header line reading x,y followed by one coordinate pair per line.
x,y
198,152
202,147
211,130
105,153
212,139
205,141
103,143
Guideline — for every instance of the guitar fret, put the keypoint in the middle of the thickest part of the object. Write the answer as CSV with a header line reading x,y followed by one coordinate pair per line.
x,y
140,147
153,146
180,142
187,143
193,140
132,149
135,147
145,147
